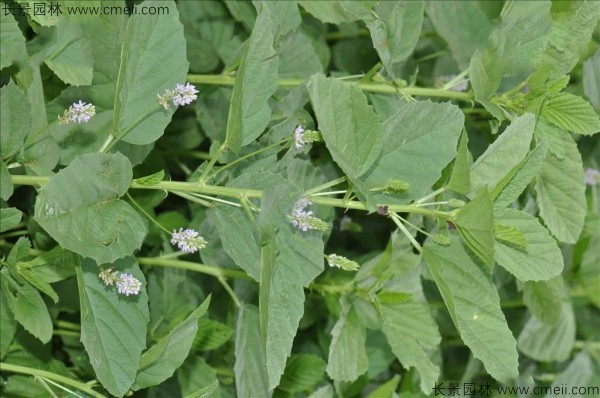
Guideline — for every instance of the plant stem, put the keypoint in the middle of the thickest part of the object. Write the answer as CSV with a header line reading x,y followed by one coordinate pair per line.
x,y
8,367
406,232
144,212
211,270
384,88
322,187
229,291
212,162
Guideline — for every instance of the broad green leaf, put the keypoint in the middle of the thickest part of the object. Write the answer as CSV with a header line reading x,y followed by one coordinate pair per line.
x,y
475,224
510,236
413,335
591,79
462,24
544,299
242,11
290,260
211,335
15,119
504,154
6,184
302,373
161,360
197,379
544,342
560,192
39,283
395,27
9,218
323,392
388,389
28,307
113,327
298,57
255,82
251,379
80,208
514,183
239,238
70,54
571,112
347,353
460,179
152,179
328,11
554,136
472,300
351,129
581,373
540,260
18,252
8,322
152,60
286,15
12,41
419,140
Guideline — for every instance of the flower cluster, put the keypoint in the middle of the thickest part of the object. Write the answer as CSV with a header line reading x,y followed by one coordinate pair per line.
x,y
188,241
591,177
126,283
79,112
303,219
395,186
182,95
302,136
342,262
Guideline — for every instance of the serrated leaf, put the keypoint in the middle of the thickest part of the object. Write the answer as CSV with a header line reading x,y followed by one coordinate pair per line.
x,y
12,41
80,208
560,192
591,79
571,112
420,140
302,372
460,179
113,327
554,137
544,342
347,353
285,13
15,119
413,336
161,360
9,218
70,55
387,389
298,57
211,335
151,179
40,284
328,11
152,59
19,251
255,82
541,259
504,154
6,184
544,299
475,224
510,236
472,300
8,322
251,379
515,182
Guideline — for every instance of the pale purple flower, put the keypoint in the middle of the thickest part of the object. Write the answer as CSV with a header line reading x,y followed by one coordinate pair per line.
x,y
79,112
184,95
304,220
299,137
128,284
188,241
591,176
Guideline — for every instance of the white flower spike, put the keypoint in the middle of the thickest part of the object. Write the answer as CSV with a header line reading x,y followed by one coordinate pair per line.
x,y
79,112
188,241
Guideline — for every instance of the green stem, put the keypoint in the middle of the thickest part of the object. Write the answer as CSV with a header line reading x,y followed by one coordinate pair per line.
x,y
192,198
211,163
8,367
144,212
229,291
211,270
406,232
329,184
384,88
188,154
66,333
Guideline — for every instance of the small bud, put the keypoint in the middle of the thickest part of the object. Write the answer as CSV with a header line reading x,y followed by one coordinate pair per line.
x,y
456,202
441,239
342,262
188,240
395,186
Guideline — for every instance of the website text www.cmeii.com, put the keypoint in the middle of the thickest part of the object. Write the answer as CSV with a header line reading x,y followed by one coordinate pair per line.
x,y
486,390
51,9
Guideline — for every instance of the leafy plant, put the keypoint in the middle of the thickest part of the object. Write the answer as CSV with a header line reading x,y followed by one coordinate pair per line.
x,y
369,198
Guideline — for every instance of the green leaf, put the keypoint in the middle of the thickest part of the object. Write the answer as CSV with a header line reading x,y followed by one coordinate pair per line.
x,y
239,238
351,129
113,327
70,55
560,192
38,283
571,112
52,266
460,179
514,183
6,184
462,24
387,389
544,342
328,11
504,154
255,82
80,208
580,373
298,57
251,379
161,360
18,252
8,322
12,41
347,353
302,373
540,260
510,236
286,15
420,140
554,137
395,28
211,335
15,119
151,179
591,79
414,337
475,224
9,218
152,60
472,300
27,306
544,299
